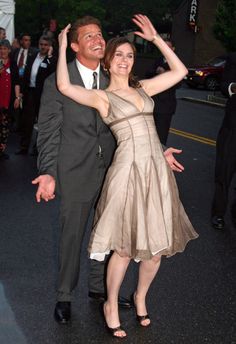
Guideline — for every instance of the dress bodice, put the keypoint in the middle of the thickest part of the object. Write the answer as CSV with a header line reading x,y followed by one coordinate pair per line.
x,y
126,120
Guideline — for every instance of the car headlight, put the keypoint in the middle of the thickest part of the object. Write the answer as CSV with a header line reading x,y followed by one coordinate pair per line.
x,y
199,72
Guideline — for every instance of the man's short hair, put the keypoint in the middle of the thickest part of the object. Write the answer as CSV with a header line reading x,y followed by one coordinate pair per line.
x,y
23,35
2,29
86,20
45,38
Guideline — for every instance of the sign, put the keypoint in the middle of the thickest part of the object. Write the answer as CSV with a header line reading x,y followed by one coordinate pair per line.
x,y
192,16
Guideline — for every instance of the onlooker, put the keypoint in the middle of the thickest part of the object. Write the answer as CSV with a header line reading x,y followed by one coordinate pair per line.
x,y
21,57
22,54
225,166
2,33
15,44
165,102
9,93
39,67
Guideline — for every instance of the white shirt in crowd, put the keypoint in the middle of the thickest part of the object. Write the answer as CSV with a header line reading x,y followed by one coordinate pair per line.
x,y
34,70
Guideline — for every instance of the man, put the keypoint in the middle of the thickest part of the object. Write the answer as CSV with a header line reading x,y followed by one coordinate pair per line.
x,y
165,102
226,148
75,150
22,54
2,33
21,57
40,65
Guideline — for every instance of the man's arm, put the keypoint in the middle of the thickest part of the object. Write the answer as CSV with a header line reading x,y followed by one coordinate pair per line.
x,y
48,141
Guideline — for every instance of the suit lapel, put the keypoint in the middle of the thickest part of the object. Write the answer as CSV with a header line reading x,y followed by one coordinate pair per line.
x,y
103,84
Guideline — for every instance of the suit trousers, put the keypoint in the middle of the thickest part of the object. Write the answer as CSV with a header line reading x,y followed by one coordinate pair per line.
x,y
29,116
74,220
162,122
224,169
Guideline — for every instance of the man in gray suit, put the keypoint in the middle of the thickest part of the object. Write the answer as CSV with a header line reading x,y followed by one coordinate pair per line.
x,y
75,149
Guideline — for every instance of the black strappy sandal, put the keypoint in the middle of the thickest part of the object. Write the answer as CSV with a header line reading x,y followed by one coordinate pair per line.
x,y
110,330
140,318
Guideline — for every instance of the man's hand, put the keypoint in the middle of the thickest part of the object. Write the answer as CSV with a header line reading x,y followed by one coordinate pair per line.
x,y
46,187
173,163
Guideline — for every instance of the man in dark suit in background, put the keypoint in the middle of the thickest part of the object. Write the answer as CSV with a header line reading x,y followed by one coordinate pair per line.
x,y
39,66
75,150
165,102
226,148
21,57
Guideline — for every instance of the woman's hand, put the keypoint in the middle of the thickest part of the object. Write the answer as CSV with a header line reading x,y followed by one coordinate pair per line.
x,y
62,38
148,30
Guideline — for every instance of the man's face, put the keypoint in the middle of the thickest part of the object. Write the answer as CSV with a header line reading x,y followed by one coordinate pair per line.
x,y
2,34
25,42
90,45
44,47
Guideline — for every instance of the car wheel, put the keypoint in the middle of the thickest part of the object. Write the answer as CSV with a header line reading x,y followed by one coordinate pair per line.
x,y
211,83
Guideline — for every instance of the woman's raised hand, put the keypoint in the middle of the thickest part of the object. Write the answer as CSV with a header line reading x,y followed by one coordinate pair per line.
x,y
62,38
143,22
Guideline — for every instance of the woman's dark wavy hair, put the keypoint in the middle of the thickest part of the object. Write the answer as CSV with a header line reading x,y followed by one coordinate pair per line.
x,y
111,47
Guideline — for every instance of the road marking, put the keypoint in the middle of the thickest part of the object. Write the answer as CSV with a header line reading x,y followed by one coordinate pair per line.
x,y
193,137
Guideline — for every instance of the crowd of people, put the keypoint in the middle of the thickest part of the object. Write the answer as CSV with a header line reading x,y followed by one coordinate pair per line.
x,y
23,70
96,119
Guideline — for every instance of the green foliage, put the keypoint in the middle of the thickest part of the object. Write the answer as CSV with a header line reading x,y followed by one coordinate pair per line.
x,y
225,27
33,15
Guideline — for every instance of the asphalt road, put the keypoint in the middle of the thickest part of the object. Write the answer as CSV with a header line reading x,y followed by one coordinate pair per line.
x,y
192,300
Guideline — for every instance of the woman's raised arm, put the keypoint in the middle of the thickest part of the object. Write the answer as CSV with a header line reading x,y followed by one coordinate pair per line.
x,y
177,70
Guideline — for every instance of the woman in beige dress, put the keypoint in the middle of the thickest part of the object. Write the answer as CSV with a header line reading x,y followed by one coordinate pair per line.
x,y
139,215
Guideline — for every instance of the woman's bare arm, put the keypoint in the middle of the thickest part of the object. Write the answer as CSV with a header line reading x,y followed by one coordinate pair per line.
x,y
177,70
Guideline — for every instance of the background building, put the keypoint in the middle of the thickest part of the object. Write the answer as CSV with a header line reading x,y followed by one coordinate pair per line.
x,y
192,31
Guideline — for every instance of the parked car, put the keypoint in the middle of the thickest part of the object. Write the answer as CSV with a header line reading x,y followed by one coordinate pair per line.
x,y
208,75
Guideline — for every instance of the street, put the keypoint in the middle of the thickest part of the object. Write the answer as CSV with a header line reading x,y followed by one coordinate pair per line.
x,y
193,298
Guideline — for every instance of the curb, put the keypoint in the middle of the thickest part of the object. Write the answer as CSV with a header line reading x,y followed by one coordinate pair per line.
x,y
202,101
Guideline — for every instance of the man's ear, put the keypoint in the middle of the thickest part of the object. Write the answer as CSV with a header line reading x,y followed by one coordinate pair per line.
x,y
74,47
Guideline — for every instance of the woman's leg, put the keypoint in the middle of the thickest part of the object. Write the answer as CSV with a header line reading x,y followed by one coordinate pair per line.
x,y
115,274
147,271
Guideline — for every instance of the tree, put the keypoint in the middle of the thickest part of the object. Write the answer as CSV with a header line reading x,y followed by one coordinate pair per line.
x,y
33,16
225,28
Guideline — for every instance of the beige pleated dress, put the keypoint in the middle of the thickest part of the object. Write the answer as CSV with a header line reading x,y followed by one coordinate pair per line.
x,y
139,213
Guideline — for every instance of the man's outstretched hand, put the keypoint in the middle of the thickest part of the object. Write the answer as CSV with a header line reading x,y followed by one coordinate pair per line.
x,y
46,187
173,163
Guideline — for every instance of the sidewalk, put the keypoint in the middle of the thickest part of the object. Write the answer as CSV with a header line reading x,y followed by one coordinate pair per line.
x,y
202,96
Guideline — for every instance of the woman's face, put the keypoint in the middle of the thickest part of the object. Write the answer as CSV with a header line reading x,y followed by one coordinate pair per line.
x,y
123,60
4,52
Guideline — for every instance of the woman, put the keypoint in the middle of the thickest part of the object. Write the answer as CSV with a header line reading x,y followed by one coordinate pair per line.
x,y
139,214
9,91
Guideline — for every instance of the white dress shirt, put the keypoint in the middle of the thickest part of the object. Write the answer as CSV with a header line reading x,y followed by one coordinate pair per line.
x,y
34,71
25,56
87,75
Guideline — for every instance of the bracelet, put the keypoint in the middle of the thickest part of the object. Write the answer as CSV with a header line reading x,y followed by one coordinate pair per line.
x,y
19,98
154,38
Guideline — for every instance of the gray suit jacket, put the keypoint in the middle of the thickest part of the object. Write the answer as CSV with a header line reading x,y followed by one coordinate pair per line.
x,y
68,141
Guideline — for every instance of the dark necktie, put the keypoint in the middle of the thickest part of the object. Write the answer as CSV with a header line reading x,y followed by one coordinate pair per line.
x,y
95,79
21,59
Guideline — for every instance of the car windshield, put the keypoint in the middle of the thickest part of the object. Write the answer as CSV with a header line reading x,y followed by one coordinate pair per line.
x,y
217,61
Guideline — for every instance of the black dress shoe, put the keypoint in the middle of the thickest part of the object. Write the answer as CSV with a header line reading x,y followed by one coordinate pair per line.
x,y
62,312
218,222
22,151
122,301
